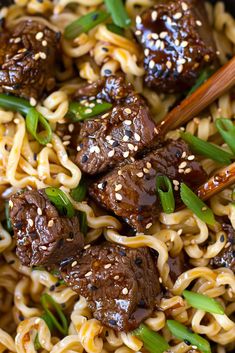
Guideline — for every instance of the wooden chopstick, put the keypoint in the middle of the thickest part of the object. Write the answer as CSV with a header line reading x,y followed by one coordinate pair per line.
x,y
219,83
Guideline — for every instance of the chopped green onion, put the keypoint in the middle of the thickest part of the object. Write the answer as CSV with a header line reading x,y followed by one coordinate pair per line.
x,y
85,23
153,342
166,194
14,103
79,193
8,220
118,12
61,201
181,332
79,112
33,118
37,344
61,324
206,149
115,29
205,74
226,129
38,268
83,222
203,302
195,204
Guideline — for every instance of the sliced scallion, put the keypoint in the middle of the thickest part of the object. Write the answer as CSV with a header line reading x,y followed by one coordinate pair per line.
x,y
79,112
8,220
79,193
85,23
205,74
181,332
226,129
203,302
195,204
61,201
153,342
14,103
60,323
33,119
206,149
166,194
83,223
115,29
118,12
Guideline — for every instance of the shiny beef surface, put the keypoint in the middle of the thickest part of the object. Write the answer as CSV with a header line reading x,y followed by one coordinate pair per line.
x,y
130,191
43,237
119,283
117,135
27,59
178,43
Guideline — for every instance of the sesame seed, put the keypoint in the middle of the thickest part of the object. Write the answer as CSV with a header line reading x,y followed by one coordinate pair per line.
x,y
33,101
108,137
118,187
180,231
177,16
199,23
154,15
95,149
87,246
111,153
169,64
155,36
194,347
126,154
149,165
149,225
88,274
151,64
44,43
74,263
177,42
207,57
188,170
160,279
136,148
140,175
182,165
158,43
120,172
100,186
39,211
43,247
180,68
131,147
146,52
116,277
49,145
30,221
107,266
11,204
78,148
17,40
176,182
39,36
88,111
137,137
138,20
191,157
138,32
50,223
16,121
42,55
146,171
181,171
163,35
204,208
181,61
66,143
125,138
125,291
118,196
127,110
184,154
184,44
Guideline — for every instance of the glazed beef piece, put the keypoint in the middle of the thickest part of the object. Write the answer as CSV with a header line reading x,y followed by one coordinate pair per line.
x,y
178,265
43,237
27,59
177,42
117,135
226,258
120,284
130,191
6,3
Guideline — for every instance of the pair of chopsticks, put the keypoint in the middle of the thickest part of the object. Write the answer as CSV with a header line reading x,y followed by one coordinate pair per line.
x,y
219,83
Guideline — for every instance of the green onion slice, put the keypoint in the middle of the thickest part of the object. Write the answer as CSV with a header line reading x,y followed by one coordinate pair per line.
x,y
205,74
195,204
115,29
153,342
85,23
83,223
203,302
61,201
37,344
166,194
8,219
14,103
79,193
78,112
206,148
33,118
61,324
181,332
226,129
118,12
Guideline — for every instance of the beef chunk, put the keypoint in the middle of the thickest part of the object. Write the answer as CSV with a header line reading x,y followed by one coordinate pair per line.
x,y
178,265
130,191
43,237
226,258
6,3
27,59
119,283
178,43
117,135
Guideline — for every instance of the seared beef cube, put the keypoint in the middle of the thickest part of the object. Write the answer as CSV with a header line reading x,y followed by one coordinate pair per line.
x,y
226,258
117,135
27,59
177,42
130,191
43,237
120,284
